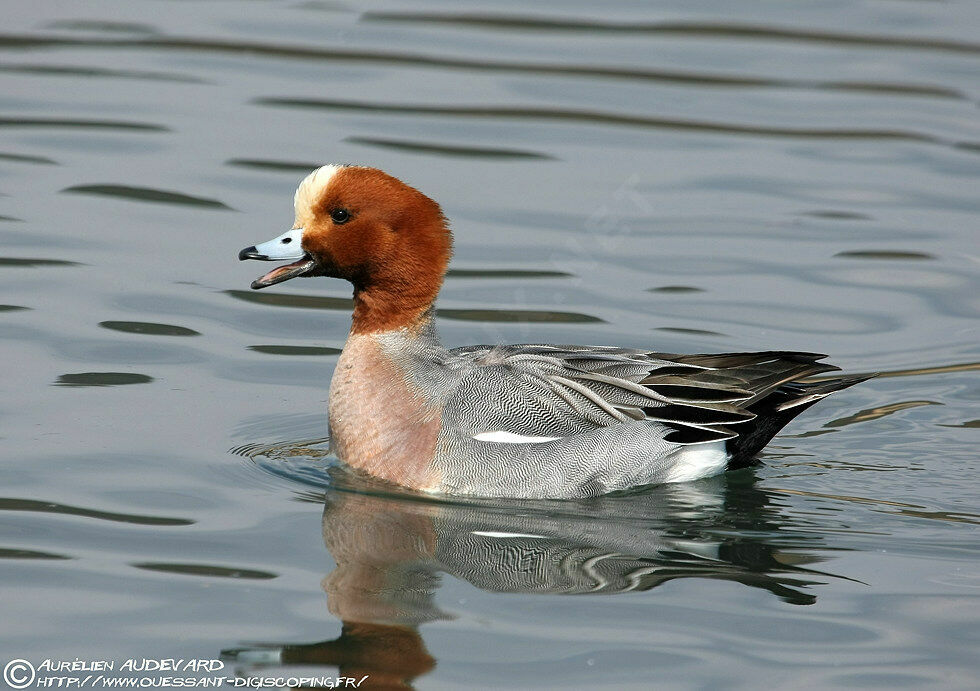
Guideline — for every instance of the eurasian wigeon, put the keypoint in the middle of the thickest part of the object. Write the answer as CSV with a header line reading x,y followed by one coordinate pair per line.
x,y
549,421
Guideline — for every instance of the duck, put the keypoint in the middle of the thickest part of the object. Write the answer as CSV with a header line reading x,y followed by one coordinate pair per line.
x,y
538,420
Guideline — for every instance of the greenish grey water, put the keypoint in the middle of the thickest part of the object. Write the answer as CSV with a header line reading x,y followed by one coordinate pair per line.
x,y
689,177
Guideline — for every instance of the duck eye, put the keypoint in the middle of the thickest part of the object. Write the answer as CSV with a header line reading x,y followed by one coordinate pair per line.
x,y
339,216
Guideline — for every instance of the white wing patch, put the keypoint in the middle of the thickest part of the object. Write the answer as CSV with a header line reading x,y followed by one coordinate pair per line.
x,y
501,437
697,461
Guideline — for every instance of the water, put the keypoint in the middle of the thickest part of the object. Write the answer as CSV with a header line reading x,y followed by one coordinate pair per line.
x,y
690,177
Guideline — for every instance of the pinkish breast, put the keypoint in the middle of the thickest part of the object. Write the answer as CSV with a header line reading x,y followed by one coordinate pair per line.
x,y
378,423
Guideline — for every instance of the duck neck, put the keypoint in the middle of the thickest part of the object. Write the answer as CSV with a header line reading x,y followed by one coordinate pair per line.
x,y
391,305
378,312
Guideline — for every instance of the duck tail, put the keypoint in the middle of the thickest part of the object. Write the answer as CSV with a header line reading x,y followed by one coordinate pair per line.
x,y
776,410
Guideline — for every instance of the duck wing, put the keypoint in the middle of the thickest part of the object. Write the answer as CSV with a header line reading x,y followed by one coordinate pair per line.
x,y
542,392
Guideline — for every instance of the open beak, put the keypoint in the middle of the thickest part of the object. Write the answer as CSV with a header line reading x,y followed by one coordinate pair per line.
x,y
287,246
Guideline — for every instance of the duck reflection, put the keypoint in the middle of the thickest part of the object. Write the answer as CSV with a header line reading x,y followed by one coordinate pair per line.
x,y
391,551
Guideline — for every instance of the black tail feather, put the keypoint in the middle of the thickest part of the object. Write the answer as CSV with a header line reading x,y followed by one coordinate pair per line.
x,y
776,410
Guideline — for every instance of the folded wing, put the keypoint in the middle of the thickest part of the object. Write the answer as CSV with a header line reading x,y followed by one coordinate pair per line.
x,y
555,391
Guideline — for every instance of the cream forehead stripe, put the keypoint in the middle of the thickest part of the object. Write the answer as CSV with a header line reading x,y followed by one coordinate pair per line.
x,y
310,190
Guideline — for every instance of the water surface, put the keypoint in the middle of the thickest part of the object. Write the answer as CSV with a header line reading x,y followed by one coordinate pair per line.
x,y
686,177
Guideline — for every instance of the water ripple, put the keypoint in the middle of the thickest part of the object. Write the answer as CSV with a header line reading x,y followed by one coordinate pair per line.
x,y
595,117
207,570
878,412
32,262
691,332
101,25
325,302
16,504
306,53
713,30
102,379
294,350
72,123
146,194
929,371
74,71
446,149
23,158
318,302
902,255
506,273
675,289
17,553
148,328
505,315
265,164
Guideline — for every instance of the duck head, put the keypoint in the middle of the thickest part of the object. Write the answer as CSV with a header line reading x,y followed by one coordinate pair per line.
x,y
367,227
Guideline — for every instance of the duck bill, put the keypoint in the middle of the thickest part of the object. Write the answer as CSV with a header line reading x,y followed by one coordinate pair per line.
x,y
286,246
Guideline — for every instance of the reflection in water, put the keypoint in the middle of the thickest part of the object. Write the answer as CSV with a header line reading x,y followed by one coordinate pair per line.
x,y
445,149
726,30
74,71
149,328
18,504
742,132
211,570
294,350
877,412
482,315
145,194
516,316
280,166
675,289
506,273
889,506
836,215
597,117
693,332
6,553
391,551
72,123
22,158
884,254
32,262
565,68
102,379
926,371
101,25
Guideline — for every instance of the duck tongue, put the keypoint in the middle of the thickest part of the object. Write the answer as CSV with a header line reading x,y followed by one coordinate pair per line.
x,y
301,267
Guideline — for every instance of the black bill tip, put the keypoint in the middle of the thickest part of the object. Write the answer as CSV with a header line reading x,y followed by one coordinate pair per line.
x,y
250,253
